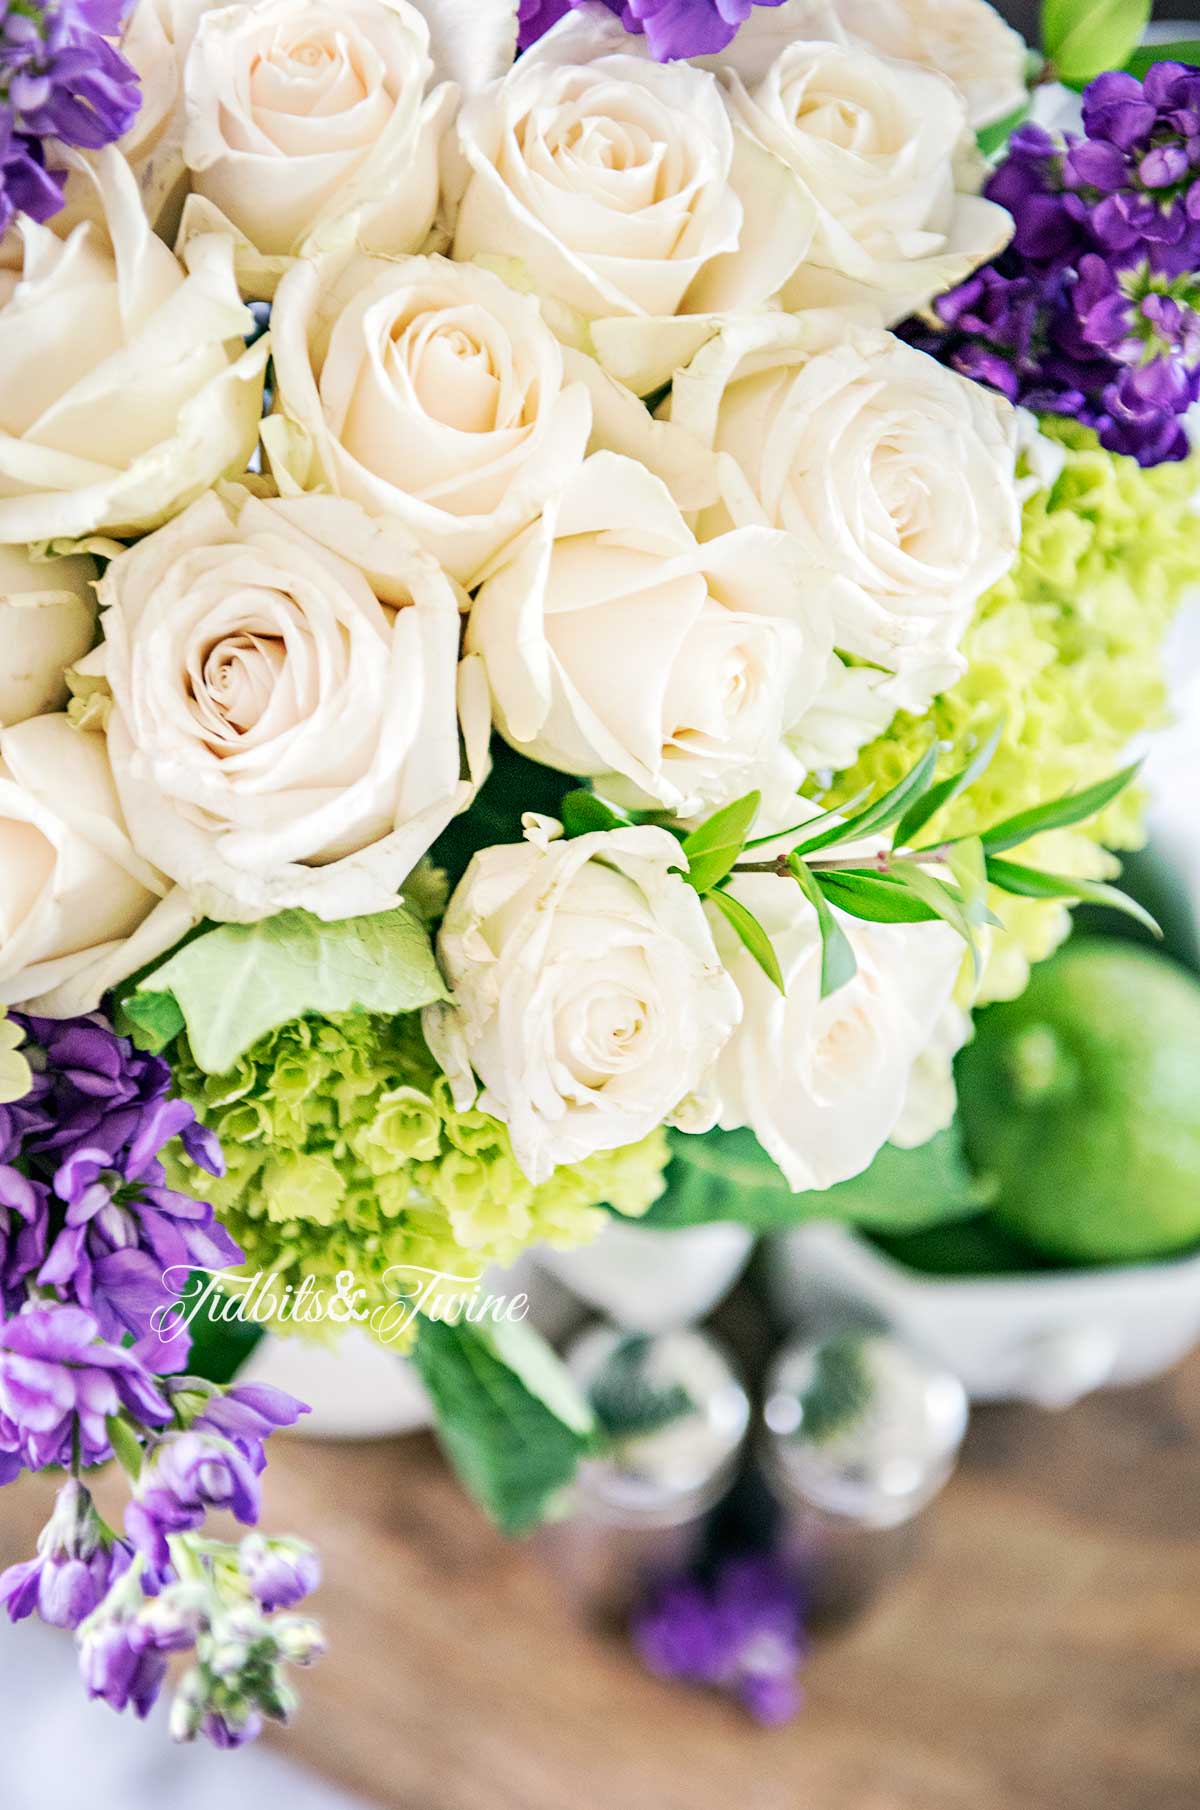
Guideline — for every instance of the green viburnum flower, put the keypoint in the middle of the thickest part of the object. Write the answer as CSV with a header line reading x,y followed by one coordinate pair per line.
x,y
344,1151
1068,650
15,1076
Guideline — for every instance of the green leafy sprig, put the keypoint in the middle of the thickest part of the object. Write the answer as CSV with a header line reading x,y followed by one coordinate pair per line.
x,y
906,881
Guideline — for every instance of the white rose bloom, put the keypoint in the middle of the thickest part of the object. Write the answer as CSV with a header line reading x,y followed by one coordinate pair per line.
x,y
884,158
72,889
964,39
823,1083
429,392
588,995
311,128
287,703
605,181
47,621
156,40
125,389
616,646
896,476
932,1100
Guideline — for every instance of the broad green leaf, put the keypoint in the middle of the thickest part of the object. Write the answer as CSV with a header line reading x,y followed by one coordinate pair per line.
x,y
1058,814
508,1415
1031,883
239,981
940,898
713,848
884,811
152,1020
728,1176
872,897
838,961
750,932
582,812
1181,50
945,791
1083,38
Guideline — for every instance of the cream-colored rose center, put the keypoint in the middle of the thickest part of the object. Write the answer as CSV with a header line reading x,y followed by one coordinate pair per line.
x,y
599,1030
240,673
26,865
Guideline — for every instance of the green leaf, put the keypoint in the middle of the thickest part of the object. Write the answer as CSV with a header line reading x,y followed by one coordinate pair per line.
x,y
874,898
582,812
941,900
993,138
728,1176
152,1020
1181,50
1083,38
713,848
508,1415
126,1446
968,865
239,981
750,932
1031,883
838,961
1059,814
886,810
812,823
945,791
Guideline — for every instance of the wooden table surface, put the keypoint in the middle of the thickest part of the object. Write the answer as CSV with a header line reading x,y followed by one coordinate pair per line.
x,y
1045,1654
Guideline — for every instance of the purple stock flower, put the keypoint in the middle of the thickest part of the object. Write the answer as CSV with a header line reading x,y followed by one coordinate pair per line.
x,y
60,81
1093,311
84,1205
672,28
247,1413
740,1633
77,1562
189,1473
59,1382
281,1573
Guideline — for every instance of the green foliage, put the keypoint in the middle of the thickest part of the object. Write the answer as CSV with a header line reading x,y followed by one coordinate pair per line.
x,y
714,847
508,1415
1181,50
727,1176
239,981
1083,38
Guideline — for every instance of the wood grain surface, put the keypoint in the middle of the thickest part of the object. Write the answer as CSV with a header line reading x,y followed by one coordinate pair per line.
x,y
1043,1655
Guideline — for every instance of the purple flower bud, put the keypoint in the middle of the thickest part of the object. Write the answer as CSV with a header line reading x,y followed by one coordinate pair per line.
x,y
281,1573
189,1473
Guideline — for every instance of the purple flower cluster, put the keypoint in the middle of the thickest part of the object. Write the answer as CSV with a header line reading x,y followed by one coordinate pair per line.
x,y
59,80
739,1633
1094,310
672,28
84,1207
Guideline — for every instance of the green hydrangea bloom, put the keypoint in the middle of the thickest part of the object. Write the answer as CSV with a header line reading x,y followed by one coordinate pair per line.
x,y
1068,650
344,1151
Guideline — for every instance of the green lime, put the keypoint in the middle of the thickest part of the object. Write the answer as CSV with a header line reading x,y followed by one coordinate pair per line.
x,y
1082,1100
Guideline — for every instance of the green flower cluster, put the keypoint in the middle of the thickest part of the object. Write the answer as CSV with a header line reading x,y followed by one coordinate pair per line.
x,y
344,1151
1068,650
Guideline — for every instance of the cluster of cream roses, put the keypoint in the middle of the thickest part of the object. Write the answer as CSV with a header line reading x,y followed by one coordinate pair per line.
x,y
460,514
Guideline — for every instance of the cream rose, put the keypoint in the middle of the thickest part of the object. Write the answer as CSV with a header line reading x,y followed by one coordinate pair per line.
x,y
895,475
47,622
618,647
429,392
884,157
823,1083
311,127
605,181
964,39
72,890
287,704
156,40
125,388
588,996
